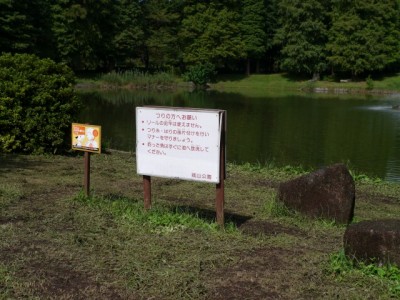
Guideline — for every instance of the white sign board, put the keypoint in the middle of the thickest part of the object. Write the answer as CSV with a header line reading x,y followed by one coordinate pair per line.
x,y
178,143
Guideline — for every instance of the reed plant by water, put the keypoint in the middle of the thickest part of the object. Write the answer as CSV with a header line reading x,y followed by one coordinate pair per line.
x,y
138,79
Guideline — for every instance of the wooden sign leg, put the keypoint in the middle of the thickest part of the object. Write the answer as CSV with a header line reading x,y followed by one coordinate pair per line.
x,y
220,194
147,191
86,181
219,203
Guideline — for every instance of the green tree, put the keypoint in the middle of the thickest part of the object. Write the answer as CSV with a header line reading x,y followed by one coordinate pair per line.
x,y
161,21
210,32
25,26
84,32
364,36
271,26
303,35
129,34
253,30
37,104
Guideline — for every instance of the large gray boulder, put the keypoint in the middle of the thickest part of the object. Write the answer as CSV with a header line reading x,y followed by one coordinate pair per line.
x,y
327,193
373,241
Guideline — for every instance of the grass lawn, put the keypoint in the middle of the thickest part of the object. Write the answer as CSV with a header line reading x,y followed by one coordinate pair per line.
x,y
285,83
56,243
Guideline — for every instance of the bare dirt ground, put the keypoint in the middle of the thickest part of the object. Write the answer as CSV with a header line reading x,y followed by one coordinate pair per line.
x,y
52,247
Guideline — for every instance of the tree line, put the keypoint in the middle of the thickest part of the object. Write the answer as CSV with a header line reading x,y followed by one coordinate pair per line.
x,y
313,37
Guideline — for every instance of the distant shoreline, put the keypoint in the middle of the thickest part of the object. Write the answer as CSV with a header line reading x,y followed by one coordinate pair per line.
x,y
261,83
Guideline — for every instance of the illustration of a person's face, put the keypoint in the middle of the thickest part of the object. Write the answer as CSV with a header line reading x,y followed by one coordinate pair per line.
x,y
89,133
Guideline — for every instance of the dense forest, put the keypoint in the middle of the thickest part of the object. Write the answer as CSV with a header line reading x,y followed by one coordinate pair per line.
x,y
309,37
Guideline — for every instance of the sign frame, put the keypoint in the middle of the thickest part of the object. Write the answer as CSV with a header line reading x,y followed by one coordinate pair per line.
x,y
86,137
179,143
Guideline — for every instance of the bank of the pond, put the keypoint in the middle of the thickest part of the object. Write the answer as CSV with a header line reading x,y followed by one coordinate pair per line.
x,y
57,243
283,82
257,84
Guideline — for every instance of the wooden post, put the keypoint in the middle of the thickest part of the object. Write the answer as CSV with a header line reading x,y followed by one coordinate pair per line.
x,y
219,203
220,187
86,181
147,191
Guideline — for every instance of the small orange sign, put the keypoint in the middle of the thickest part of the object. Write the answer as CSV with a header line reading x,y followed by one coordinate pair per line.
x,y
86,137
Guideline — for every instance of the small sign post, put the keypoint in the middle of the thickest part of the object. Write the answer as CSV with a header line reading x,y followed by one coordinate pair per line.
x,y
181,143
86,176
87,138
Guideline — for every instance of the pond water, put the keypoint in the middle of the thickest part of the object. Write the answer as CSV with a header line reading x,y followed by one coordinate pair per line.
x,y
309,130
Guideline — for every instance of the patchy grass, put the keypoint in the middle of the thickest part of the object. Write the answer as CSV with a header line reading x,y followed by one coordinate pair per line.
x,y
57,243
340,268
159,219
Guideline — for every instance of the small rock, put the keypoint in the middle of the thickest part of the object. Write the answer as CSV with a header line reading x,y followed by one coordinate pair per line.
x,y
374,241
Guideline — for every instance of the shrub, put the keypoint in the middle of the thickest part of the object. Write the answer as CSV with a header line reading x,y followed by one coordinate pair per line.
x,y
200,74
37,104
370,83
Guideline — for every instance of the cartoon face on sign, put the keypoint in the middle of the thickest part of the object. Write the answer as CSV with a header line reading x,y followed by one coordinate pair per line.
x,y
92,134
79,140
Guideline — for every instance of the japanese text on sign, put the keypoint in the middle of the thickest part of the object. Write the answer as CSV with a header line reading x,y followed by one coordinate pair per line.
x,y
178,143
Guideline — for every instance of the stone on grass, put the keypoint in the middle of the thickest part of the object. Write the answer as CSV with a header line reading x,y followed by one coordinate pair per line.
x,y
375,241
328,193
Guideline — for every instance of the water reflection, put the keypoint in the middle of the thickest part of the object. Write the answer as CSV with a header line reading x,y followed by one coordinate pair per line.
x,y
310,130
